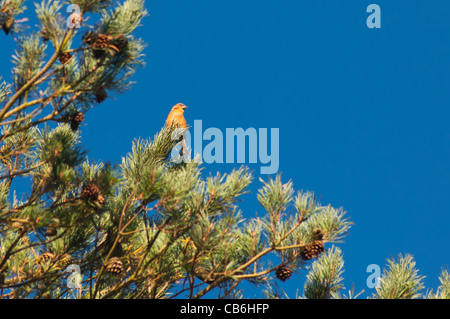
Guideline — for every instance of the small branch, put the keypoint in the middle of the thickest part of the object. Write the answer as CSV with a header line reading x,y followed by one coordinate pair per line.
x,y
256,274
23,106
23,171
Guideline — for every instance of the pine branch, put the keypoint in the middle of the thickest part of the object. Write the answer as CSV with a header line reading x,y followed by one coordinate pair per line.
x,y
443,291
400,280
324,279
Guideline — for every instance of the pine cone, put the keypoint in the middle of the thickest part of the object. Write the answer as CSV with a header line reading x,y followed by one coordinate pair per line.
x,y
100,45
90,191
283,273
101,199
312,250
101,42
100,94
76,120
90,38
7,24
64,57
114,266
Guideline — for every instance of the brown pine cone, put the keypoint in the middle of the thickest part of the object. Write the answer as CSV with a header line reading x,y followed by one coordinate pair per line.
x,y
312,250
114,266
100,94
92,192
65,57
283,272
76,120
7,24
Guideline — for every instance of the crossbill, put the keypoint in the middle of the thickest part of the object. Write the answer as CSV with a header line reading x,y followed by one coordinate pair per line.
x,y
176,117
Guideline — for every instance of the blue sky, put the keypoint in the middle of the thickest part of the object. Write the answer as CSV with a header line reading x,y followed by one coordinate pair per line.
x,y
363,113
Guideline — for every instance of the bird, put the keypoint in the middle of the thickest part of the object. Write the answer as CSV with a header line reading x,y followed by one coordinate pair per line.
x,y
176,116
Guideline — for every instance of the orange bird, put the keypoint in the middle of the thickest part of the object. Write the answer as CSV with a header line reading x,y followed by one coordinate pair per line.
x,y
176,116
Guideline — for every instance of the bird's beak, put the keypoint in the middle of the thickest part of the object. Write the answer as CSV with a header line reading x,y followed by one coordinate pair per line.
x,y
184,107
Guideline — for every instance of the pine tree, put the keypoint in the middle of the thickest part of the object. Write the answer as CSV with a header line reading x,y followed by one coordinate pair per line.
x,y
148,227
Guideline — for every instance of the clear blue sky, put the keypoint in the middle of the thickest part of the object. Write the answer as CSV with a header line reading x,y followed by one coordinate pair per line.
x,y
363,113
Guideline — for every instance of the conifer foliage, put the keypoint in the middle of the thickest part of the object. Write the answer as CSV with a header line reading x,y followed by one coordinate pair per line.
x,y
147,227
